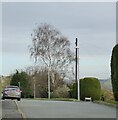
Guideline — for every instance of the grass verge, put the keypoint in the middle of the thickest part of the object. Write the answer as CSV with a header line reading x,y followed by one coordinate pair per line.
x,y
109,103
55,99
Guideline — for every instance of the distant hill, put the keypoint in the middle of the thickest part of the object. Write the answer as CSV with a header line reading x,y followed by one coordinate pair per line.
x,y
106,83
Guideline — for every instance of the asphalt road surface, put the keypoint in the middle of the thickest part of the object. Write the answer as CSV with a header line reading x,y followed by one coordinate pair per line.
x,y
64,109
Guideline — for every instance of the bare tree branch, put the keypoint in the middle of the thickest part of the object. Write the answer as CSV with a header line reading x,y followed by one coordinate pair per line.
x,y
51,47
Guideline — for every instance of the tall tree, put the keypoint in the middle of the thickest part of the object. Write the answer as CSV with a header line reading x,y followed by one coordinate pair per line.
x,y
52,48
114,71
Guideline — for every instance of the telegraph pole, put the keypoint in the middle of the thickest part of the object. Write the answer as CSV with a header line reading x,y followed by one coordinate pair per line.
x,y
76,59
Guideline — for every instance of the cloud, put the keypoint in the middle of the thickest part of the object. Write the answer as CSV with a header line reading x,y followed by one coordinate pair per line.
x,y
66,15
92,23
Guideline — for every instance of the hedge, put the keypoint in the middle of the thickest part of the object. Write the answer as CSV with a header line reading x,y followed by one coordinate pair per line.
x,y
90,87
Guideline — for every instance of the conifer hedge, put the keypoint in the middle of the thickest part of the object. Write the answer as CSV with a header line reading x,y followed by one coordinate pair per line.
x,y
90,87
114,71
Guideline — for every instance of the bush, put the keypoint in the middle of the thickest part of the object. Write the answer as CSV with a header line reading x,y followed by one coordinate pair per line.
x,y
73,90
61,92
114,71
106,95
90,87
0,86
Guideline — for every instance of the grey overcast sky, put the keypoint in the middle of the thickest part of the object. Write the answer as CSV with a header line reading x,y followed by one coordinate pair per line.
x,y
93,23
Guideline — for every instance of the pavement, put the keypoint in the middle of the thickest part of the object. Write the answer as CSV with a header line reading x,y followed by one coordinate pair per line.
x,y
0,110
10,109
117,113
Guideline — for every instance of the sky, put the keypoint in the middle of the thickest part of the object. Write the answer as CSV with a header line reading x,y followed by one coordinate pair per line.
x,y
93,23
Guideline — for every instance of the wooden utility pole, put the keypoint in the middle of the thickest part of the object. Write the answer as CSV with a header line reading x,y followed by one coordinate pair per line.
x,y
76,69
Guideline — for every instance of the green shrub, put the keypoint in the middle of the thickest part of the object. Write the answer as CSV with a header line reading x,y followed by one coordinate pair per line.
x,y
73,90
61,92
0,86
106,95
114,71
90,87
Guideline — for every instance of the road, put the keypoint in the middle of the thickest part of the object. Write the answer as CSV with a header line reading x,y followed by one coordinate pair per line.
x,y
61,109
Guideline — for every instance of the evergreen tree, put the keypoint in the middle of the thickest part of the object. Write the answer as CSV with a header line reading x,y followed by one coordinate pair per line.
x,y
24,80
114,71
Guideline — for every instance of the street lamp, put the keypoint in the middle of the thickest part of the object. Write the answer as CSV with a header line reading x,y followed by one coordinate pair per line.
x,y
34,86
49,82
